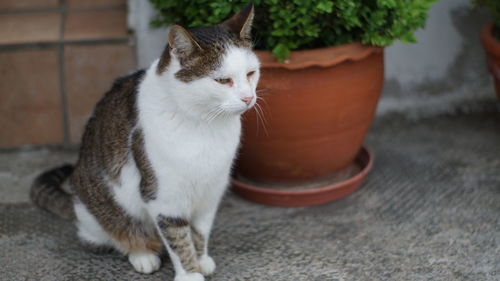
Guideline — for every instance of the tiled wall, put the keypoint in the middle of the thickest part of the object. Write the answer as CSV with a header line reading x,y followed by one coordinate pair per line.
x,y
57,58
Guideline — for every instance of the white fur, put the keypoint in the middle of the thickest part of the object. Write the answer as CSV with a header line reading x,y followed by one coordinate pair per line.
x,y
189,277
191,134
126,193
144,262
190,150
207,265
239,62
89,230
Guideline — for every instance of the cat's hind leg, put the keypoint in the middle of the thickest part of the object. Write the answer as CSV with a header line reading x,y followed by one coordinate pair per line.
x,y
91,234
142,249
140,242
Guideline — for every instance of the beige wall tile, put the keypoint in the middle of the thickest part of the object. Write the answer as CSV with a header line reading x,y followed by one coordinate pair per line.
x,y
90,25
30,103
29,28
8,5
90,72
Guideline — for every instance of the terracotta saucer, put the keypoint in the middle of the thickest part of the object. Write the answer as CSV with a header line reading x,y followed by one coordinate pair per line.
x,y
306,197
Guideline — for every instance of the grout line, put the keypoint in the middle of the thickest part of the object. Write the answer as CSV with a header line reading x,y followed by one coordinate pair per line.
x,y
62,77
63,9
98,41
28,46
30,11
60,45
35,147
45,45
97,9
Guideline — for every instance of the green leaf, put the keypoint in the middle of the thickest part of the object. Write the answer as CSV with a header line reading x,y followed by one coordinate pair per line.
x,y
281,51
325,6
284,25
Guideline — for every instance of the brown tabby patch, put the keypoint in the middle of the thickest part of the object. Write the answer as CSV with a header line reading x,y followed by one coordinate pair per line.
x,y
164,60
213,41
177,232
164,222
46,192
149,185
198,241
104,151
138,241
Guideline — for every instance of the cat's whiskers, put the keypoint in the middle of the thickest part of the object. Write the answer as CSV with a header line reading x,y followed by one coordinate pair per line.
x,y
261,117
218,113
262,92
221,113
262,99
261,108
213,113
227,113
210,111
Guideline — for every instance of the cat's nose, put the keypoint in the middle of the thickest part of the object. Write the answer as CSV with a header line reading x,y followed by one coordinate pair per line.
x,y
247,100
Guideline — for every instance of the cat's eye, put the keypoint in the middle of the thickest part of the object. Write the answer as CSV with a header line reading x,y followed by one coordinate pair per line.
x,y
224,81
250,74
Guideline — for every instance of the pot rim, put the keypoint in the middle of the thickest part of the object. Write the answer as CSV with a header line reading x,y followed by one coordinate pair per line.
x,y
320,57
491,45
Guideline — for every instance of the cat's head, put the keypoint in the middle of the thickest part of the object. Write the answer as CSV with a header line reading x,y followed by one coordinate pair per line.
x,y
212,70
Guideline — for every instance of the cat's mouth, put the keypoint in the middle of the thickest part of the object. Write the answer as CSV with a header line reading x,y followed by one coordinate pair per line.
x,y
242,110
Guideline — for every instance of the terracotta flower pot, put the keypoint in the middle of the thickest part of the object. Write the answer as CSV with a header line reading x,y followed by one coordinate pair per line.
x,y
317,109
492,47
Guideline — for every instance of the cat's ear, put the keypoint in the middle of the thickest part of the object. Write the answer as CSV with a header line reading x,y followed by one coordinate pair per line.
x,y
181,42
241,23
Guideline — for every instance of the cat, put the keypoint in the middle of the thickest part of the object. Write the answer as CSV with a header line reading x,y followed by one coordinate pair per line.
x,y
156,154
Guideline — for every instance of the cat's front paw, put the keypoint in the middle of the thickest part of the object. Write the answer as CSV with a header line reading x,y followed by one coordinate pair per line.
x,y
207,265
144,262
189,277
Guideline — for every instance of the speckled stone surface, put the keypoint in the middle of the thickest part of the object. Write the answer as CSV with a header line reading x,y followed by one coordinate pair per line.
x,y
430,210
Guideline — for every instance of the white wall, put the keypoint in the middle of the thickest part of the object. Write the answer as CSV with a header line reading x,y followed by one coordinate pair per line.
x,y
150,41
444,71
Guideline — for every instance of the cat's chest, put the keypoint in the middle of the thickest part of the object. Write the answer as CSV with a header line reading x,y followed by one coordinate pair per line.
x,y
193,149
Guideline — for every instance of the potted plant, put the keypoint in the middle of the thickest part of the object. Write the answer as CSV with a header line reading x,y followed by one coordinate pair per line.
x,y
490,37
322,72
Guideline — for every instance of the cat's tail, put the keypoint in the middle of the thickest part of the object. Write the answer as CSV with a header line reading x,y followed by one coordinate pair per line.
x,y
47,192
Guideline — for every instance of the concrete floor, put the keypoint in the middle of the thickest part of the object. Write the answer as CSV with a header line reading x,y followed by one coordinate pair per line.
x,y
430,210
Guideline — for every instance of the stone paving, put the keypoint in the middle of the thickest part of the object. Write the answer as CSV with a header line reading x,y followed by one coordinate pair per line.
x,y
430,210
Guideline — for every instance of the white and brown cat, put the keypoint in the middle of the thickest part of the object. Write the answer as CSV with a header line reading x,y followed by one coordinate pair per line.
x,y
157,152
